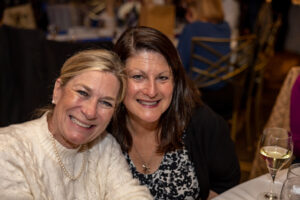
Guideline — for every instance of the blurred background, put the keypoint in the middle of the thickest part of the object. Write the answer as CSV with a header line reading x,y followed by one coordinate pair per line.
x,y
37,36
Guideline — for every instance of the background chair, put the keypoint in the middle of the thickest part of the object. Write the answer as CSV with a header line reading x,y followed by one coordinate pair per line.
x,y
224,77
20,16
160,17
266,29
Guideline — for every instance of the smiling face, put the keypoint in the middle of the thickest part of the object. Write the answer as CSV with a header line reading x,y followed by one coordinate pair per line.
x,y
150,86
84,107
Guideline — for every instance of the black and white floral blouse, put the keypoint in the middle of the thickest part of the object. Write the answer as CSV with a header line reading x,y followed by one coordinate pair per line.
x,y
175,178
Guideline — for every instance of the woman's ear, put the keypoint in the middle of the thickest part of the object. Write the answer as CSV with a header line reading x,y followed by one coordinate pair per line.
x,y
57,91
191,15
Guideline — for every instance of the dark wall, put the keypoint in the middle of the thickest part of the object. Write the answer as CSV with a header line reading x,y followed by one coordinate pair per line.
x,y
29,65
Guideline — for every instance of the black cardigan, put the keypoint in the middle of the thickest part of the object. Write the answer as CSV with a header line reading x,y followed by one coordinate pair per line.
x,y
212,151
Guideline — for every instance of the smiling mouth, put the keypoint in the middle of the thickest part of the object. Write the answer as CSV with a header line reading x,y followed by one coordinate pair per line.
x,y
148,103
75,121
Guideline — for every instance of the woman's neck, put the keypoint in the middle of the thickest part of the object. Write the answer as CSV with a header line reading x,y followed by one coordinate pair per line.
x,y
202,19
51,121
205,20
140,129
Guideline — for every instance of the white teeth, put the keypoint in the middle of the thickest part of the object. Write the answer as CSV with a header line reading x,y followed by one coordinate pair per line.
x,y
147,103
79,123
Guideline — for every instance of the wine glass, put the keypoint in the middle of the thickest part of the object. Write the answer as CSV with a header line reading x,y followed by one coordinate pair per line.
x,y
276,148
293,171
291,189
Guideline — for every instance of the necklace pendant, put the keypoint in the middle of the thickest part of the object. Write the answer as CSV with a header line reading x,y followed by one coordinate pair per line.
x,y
146,169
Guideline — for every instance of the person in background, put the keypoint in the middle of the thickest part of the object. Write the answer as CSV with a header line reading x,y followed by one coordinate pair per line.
x,y
66,153
206,19
173,143
295,118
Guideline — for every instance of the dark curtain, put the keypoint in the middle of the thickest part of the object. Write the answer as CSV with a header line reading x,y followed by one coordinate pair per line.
x,y
29,65
21,63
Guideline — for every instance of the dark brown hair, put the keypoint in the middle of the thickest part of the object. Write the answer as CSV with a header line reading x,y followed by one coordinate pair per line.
x,y
185,96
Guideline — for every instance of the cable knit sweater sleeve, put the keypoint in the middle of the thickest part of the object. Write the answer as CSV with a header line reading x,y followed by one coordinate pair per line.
x,y
14,156
119,184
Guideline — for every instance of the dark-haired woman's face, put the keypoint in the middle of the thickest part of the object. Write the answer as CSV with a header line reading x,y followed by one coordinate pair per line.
x,y
150,86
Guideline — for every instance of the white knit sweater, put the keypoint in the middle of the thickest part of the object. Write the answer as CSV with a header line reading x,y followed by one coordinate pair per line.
x,y
30,170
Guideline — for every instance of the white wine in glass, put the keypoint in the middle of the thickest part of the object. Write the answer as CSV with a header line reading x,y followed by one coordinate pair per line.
x,y
276,148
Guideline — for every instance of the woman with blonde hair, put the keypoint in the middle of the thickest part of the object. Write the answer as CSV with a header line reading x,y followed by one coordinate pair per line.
x,y
67,153
206,19
210,11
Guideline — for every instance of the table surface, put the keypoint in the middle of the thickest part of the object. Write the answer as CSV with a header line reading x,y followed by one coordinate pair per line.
x,y
82,34
249,190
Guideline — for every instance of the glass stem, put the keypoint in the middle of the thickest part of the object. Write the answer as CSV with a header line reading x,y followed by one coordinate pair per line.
x,y
272,184
273,175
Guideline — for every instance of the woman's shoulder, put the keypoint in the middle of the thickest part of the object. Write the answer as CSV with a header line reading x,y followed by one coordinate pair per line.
x,y
204,118
106,139
105,143
197,25
205,112
17,142
106,150
207,29
224,27
19,133
207,24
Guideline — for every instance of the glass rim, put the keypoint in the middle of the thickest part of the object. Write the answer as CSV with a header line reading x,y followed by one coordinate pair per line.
x,y
288,135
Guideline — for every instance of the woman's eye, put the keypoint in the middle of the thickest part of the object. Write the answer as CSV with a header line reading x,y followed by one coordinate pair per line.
x,y
163,78
106,103
137,77
82,93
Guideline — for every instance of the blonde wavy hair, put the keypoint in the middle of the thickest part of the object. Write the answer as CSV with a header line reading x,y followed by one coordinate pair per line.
x,y
209,10
91,60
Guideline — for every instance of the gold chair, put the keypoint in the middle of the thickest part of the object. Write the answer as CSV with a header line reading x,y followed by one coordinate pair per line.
x,y
230,69
160,17
266,29
20,16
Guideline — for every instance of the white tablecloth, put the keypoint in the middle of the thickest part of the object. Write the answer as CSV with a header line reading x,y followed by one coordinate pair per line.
x,y
251,189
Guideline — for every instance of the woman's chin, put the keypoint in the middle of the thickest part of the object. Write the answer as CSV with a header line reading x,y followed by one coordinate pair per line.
x,y
151,119
76,141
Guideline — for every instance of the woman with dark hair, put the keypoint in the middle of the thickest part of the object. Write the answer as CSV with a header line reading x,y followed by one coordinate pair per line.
x,y
173,143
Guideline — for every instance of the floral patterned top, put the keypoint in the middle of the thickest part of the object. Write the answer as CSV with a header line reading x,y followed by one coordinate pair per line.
x,y
174,179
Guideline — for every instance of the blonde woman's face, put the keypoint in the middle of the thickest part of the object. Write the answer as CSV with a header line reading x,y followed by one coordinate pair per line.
x,y
84,107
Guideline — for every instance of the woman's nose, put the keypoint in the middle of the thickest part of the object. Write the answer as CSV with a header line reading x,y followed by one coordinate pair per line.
x,y
89,109
150,89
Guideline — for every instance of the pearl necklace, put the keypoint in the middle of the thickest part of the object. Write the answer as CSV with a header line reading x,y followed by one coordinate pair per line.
x,y
66,172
